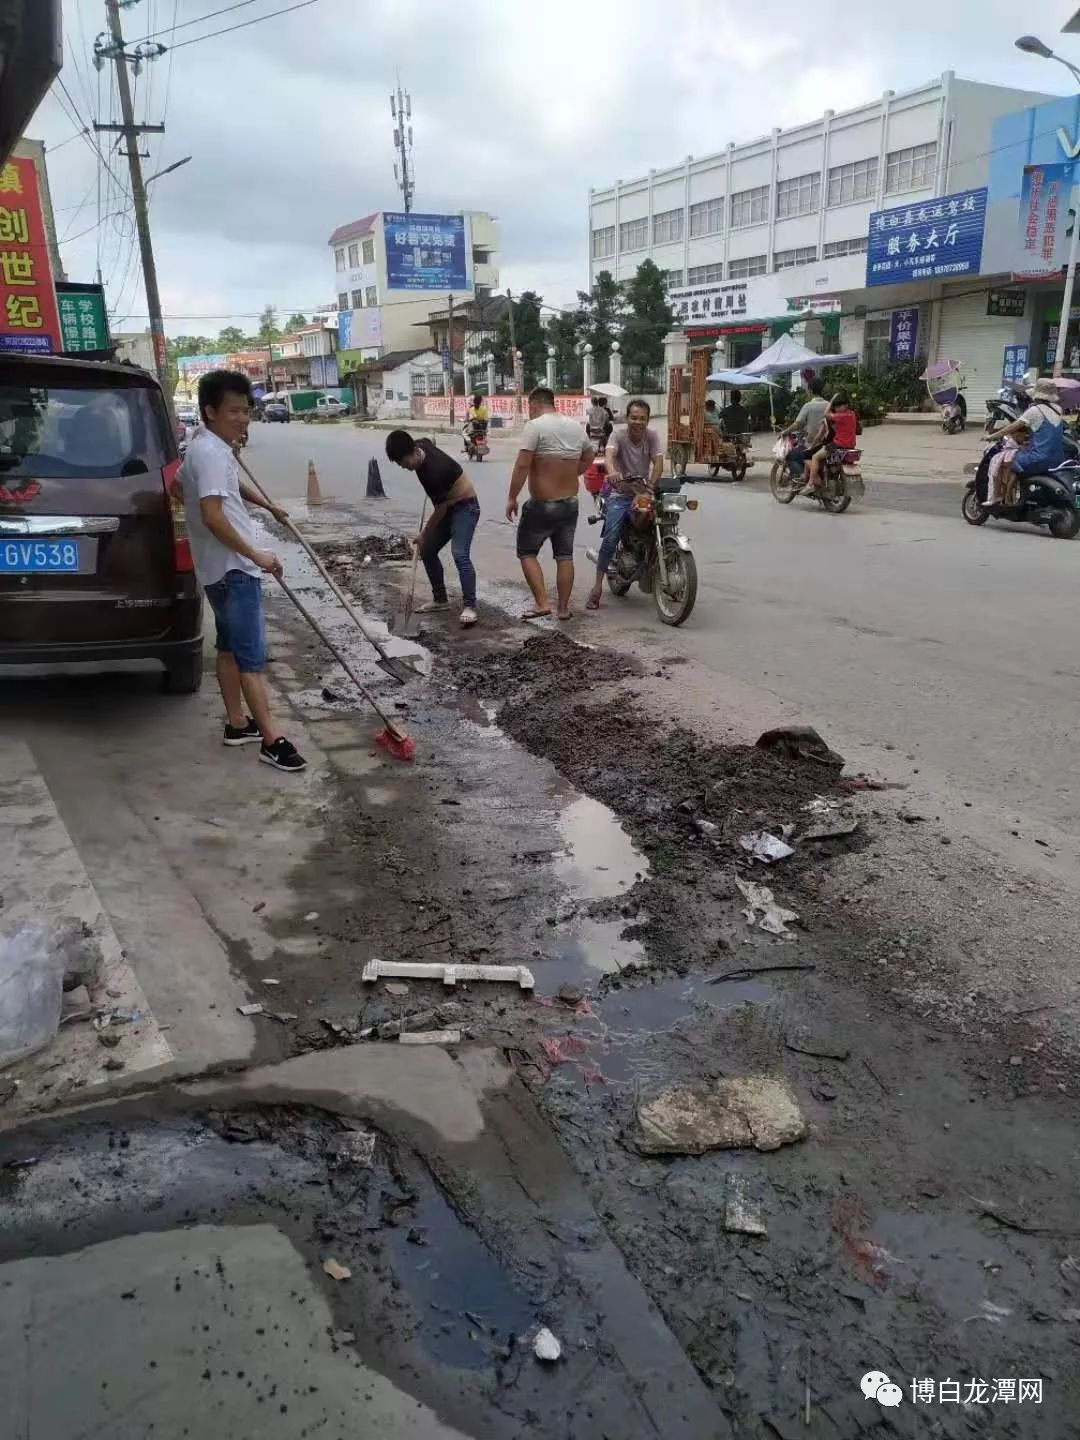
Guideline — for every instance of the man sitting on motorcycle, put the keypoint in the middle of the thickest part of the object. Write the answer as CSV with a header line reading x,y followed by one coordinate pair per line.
x,y
478,415
809,424
635,461
843,429
1043,448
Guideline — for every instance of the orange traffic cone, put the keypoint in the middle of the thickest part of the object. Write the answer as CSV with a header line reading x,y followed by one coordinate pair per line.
x,y
314,495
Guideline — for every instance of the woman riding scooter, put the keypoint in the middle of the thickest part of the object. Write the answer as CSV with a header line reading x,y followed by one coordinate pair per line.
x,y
476,428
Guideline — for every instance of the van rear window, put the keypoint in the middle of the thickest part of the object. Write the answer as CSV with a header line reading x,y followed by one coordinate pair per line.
x,y
56,433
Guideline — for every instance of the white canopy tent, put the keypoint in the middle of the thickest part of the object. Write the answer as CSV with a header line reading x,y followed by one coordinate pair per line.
x,y
785,356
735,379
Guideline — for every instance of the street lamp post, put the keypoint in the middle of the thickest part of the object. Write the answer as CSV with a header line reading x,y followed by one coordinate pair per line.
x,y
1032,45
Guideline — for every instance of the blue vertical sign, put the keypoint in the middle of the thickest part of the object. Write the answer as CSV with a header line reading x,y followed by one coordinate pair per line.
x,y
1015,362
930,240
1042,246
903,334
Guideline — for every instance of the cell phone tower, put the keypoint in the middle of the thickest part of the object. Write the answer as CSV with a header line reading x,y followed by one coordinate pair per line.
x,y
401,110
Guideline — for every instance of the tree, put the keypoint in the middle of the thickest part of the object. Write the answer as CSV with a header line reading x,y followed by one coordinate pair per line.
x,y
268,326
529,336
564,332
295,322
189,345
649,320
604,311
231,339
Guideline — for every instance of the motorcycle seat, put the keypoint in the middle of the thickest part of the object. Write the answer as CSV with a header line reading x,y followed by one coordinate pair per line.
x,y
667,485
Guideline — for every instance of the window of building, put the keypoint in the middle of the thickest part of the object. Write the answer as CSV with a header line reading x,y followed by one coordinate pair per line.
x,y
371,295
788,259
634,234
857,181
876,344
667,226
911,169
369,252
750,207
706,218
354,256
749,265
343,300
419,382
672,278
800,196
603,242
833,249
357,299
339,259
705,274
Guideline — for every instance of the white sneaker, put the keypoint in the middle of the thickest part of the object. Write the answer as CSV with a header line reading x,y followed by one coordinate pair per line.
x,y
468,616
593,555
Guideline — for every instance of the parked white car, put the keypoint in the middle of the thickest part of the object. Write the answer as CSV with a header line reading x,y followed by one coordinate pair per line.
x,y
330,405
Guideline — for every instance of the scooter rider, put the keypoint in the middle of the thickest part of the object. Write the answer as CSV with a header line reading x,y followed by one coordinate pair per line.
x,y
809,424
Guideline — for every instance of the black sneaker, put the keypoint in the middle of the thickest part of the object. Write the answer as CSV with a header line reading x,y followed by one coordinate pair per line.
x,y
242,735
283,755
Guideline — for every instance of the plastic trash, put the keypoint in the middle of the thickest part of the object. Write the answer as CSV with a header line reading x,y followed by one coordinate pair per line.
x,y
31,992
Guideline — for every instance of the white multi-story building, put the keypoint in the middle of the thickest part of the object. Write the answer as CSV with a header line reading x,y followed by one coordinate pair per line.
x,y
772,234
392,270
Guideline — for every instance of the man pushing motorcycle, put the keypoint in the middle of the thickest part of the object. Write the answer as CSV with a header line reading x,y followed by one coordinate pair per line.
x,y
634,460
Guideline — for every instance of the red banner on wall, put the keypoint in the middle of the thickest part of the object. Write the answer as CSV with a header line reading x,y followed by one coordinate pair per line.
x,y
29,320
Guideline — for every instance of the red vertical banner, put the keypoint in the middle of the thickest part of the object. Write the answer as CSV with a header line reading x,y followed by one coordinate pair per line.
x,y
29,320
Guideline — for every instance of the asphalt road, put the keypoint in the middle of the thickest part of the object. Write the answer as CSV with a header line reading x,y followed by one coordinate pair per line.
x,y
896,628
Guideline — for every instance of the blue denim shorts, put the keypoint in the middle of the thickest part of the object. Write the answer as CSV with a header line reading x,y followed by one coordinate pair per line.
x,y
236,601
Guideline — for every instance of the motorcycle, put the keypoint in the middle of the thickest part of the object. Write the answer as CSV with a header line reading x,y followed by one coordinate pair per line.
x,y
735,456
1052,499
652,551
1006,406
841,478
475,437
945,386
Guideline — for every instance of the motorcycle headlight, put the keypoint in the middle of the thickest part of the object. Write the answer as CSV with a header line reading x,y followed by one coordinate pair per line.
x,y
673,504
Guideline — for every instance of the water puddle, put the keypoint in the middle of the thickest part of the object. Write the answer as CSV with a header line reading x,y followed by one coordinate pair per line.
x,y
599,859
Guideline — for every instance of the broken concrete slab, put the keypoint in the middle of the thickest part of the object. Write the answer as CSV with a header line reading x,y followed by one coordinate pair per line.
x,y
742,1214
753,1111
448,972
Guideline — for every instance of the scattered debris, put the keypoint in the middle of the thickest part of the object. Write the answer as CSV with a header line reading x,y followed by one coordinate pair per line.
x,y
800,742
571,995
109,1038
259,905
853,783
567,1048
754,1110
993,1211
803,1042
336,1271
255,1008
822,1090
331,696
774,918
397,987
831,824
430,1037
765,847
113,1062
31,985
745,971
448,973
742,1216
546,1347
283,1017
355,1149
705,827
311,915
268,981
876,1077
8,1088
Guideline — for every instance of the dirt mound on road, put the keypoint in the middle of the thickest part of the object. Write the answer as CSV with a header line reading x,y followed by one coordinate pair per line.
x,y
343,559
545,664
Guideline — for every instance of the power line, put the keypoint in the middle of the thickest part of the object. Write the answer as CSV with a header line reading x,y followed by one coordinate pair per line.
x,y
302,5
87,136
52,149
211,15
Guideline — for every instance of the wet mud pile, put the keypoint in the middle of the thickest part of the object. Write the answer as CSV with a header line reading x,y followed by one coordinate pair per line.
x,y
546,666
343,560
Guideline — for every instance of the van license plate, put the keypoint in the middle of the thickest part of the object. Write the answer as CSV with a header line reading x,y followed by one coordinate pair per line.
x,y
26,557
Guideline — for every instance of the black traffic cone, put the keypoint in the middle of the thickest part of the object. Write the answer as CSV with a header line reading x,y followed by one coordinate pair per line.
x,y
374,481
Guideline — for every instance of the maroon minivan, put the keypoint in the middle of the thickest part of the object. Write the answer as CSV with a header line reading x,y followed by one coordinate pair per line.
x,y
94,559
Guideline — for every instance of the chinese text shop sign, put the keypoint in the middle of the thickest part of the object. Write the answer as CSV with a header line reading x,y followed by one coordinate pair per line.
x,y
28,317
928,241
82,318
425,252
1042,244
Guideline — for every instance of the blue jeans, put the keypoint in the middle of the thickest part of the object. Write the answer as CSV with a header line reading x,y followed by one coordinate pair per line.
x,y
456,527
615,512
236,601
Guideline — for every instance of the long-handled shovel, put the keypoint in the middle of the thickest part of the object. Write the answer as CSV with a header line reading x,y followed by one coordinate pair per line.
x,y
401,669
410,625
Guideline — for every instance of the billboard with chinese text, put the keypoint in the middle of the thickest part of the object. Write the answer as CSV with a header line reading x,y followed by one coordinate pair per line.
x,y
1041,243
930,240
904,334
29,320
84,326
426,252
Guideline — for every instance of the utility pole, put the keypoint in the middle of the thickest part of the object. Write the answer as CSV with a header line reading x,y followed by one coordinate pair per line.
x,y
513,358
401,110
450,351
131,133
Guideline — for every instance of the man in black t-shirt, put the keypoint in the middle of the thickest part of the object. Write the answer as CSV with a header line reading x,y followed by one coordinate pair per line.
x,y
453,520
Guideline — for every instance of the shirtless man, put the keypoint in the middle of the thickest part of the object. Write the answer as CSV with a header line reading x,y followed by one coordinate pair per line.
x,y
554,453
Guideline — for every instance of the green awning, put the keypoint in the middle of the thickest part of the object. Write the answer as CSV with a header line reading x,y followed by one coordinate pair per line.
x,y
830,326
785,325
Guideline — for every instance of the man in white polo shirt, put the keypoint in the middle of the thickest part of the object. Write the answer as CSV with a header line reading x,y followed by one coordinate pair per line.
x,y
229,562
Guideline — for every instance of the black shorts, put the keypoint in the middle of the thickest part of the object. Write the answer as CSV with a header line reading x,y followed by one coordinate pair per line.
x,y
554,520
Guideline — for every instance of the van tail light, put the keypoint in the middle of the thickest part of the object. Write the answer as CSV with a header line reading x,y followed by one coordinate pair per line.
x,y
174,494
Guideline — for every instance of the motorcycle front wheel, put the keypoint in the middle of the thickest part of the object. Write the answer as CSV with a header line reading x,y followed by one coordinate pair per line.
x,y
782,483
971,510
1065,524
673,604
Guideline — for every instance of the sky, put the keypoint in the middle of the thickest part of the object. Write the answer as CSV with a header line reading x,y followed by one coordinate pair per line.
x,y
517,110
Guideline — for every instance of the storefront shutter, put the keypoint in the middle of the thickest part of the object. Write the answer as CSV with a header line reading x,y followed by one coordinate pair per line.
x,y
976,341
